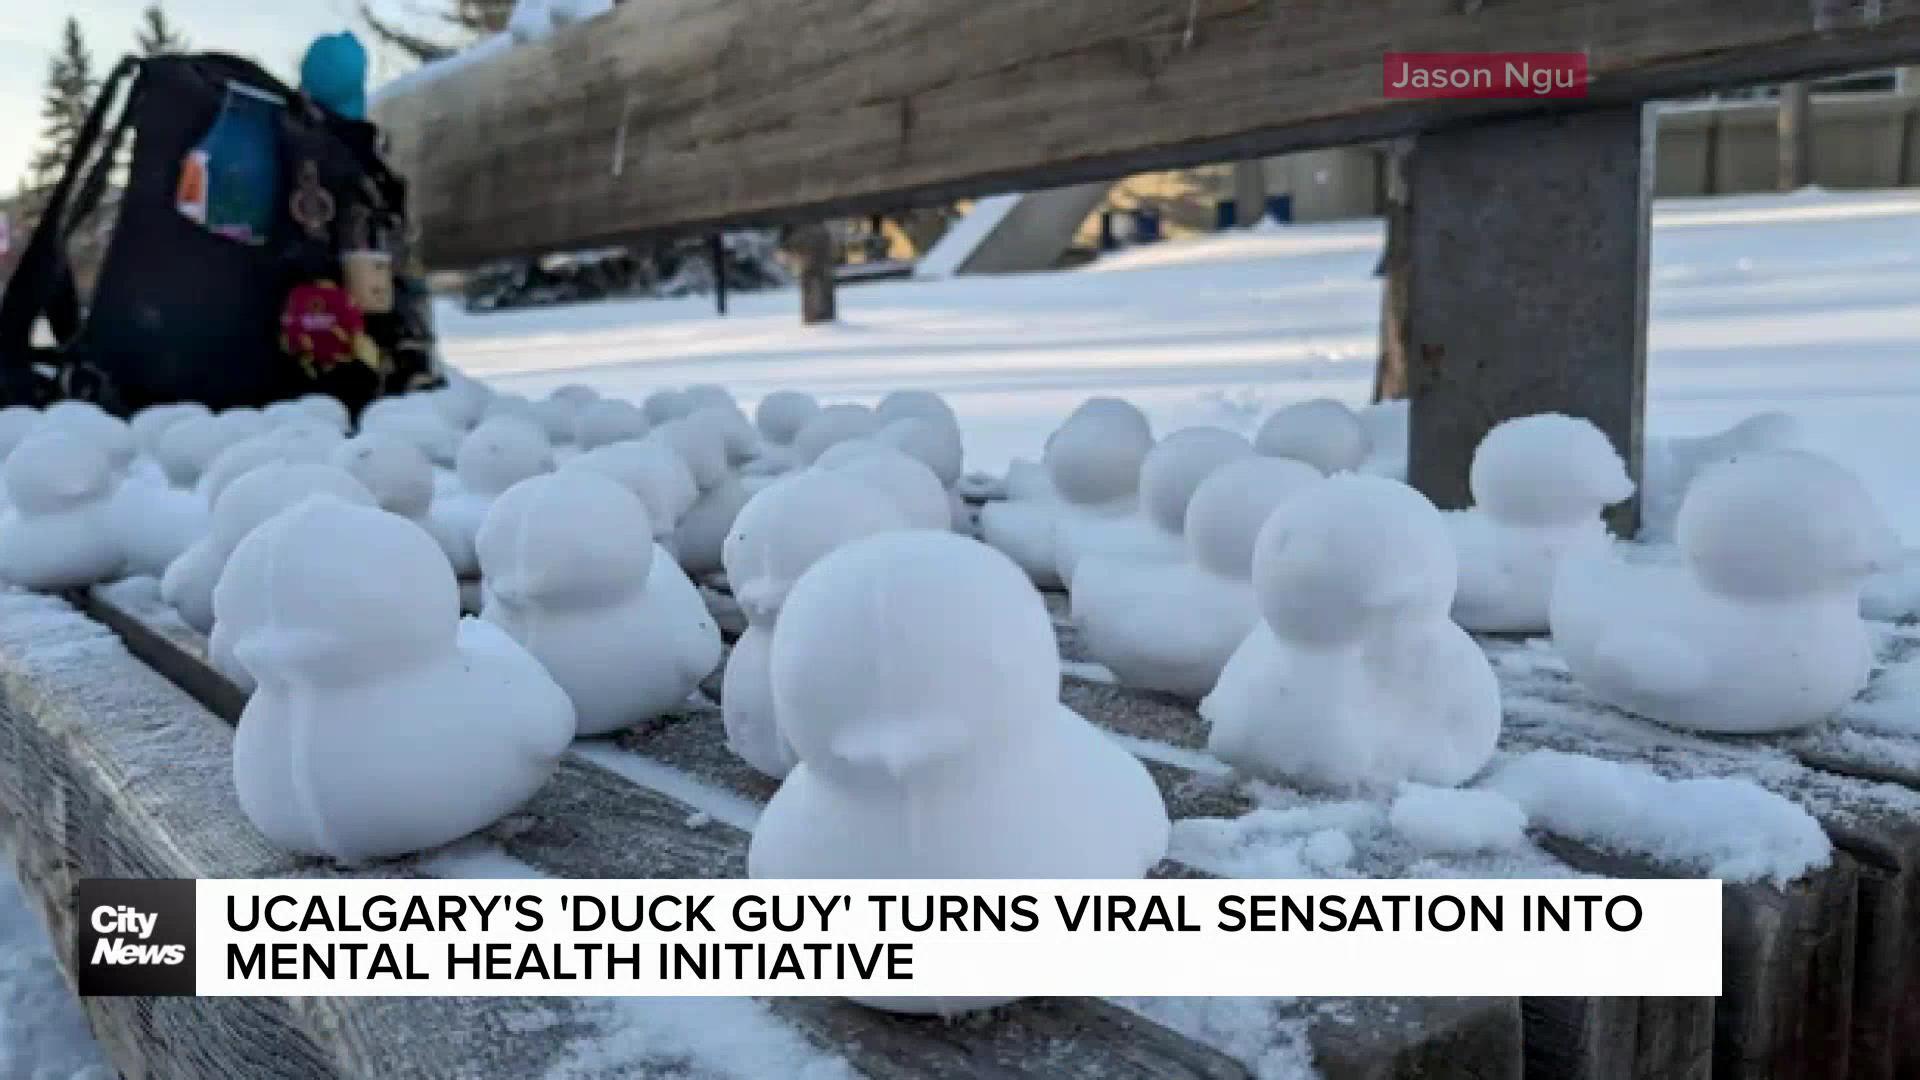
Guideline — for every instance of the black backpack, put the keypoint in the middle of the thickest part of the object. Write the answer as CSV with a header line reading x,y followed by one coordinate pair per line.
x,y
179,313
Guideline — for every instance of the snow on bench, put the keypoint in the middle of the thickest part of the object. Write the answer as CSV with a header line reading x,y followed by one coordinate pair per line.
x,y
1873,825
1820,942
667,800
1823,948
1820,961
109,770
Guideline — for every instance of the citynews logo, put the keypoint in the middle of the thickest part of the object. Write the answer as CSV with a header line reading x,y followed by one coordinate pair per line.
x,y
135,938
1484,75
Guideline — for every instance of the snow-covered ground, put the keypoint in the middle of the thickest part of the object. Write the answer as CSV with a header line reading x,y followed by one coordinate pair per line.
x,y
1808,303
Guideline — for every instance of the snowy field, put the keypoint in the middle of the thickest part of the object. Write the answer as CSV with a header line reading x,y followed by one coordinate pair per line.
x,y
1808,303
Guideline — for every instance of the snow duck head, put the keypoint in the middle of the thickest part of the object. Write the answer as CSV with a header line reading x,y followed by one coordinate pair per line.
x,y
663,406
790,525
395,471
149,424
608,421
1096,456
905,482
650,469
327,409
463,402
1174,469
1227,512
738,439
1783,523
1547,469
571,539
935,444
781,415
906,650
329,592
925,404
834,424
1323,432
1345,554
89,422
54,470
701,446
255,497
500,453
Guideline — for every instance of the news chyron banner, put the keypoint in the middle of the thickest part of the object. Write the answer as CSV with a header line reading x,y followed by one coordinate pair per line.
x,y
899,938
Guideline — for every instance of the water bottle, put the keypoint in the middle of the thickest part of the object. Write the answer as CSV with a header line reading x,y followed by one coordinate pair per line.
x,y
230,183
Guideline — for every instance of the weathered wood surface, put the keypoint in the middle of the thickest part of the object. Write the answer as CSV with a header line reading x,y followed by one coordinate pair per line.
x,y
686,114
1637,1038
596,821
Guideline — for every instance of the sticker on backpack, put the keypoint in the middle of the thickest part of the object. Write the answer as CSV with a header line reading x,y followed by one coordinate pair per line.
x,y
230,183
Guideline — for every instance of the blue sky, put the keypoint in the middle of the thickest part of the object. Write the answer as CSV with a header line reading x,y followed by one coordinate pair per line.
x,y
273,32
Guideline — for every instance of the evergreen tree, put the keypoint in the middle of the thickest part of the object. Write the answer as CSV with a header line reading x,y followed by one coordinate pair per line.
x,y
157,34
71,86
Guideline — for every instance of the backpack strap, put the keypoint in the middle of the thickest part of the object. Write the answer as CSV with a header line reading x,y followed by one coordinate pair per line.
x,y
42,282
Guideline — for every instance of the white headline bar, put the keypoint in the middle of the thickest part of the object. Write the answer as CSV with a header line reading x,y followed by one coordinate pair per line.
x,y
958,939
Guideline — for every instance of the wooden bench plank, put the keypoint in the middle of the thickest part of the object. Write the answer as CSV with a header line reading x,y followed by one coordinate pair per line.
x,y
621,126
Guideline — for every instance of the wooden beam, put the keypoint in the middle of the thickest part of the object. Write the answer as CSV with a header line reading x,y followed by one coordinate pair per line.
x,y
1526,260
684,114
